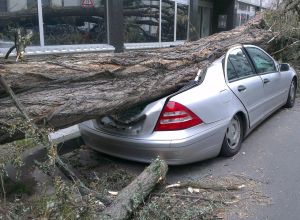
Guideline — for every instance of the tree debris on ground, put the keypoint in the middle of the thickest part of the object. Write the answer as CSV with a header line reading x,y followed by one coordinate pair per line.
x,y
162,203
135,193
204,203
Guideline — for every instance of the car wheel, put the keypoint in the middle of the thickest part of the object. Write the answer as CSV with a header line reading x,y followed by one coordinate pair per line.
x,y
233,138
292,95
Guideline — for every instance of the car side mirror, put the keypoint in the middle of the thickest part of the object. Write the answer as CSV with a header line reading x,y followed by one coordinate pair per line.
x,y
284,67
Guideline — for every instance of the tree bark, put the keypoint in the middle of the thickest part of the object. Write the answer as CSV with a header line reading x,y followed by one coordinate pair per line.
x,y
67,89
61,90
136,192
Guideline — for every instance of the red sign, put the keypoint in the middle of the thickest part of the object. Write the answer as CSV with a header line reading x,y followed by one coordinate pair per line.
x,y
87,3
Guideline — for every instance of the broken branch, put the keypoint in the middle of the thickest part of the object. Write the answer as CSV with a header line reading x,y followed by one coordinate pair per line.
x,y
135,193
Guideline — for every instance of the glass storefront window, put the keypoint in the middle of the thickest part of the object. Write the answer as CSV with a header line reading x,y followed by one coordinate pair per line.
x,y
182,21
141,19
18,14
243,6
244,13
74,22
252,11
167,20
206,21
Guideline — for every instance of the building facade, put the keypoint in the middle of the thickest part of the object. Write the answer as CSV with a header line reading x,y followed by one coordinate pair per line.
x,y
97,25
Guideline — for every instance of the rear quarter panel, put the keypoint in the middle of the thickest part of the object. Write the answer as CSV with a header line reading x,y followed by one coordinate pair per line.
x,y
212,100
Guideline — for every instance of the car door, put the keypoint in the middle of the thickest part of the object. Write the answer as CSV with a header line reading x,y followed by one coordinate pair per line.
x,y
245,83
274,93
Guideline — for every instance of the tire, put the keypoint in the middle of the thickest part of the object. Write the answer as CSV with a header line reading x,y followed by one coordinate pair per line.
x,y
292,95
233,138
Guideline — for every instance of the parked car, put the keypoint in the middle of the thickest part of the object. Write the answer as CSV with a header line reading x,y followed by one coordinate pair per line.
x,y
209,117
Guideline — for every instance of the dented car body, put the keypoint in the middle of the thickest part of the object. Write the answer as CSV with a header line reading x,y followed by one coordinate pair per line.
x,y
208,117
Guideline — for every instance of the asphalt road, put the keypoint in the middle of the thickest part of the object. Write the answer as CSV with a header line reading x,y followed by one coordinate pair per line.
x,y
271,154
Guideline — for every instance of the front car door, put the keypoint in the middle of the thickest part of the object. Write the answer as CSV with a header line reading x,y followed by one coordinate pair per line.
x,y
274,91
245,83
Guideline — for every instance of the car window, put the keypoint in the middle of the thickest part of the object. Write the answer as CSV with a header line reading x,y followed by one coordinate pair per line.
x,y
263,63
238,65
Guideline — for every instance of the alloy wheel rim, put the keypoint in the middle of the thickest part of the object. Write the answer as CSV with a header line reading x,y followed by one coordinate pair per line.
x,y
233,133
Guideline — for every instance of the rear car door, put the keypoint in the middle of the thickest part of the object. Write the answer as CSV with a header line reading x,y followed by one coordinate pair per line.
x,y
274,93
245,83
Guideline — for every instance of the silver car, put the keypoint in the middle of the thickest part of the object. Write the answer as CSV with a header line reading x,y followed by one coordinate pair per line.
x,y
208,117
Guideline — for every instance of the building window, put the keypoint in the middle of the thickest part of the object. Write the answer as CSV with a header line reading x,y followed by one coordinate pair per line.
x,y
141,18
3,6
182,21
244,13
206,21
18,14
202,20
74,22
167,20
142,22
79,22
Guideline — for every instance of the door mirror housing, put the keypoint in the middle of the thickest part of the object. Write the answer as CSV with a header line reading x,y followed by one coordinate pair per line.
x,y
284,67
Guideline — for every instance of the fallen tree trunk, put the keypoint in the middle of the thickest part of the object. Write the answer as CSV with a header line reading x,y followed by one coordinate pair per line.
x,y
136,192
68,89
62,90
126,202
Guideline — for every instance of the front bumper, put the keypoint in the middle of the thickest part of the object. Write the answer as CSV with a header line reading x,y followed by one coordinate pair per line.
x,y
181,150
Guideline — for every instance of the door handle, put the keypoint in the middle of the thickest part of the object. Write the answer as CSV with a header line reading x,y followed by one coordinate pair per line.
x,y
241,88
266,80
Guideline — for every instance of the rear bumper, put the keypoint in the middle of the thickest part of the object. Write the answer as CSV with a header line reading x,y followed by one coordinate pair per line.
x,y
203,145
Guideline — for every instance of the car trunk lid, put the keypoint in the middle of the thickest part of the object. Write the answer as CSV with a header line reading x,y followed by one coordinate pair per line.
x,y
141,120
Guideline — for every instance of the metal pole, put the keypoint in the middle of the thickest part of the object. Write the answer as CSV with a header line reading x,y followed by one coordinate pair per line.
x,y
107,23
41,23
175,22
159,31
189,20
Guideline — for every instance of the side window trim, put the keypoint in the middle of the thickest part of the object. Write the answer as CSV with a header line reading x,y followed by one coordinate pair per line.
x,y
250,60
236,75
225,62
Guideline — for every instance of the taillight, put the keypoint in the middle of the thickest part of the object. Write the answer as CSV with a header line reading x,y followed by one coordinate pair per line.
x,y
175,116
